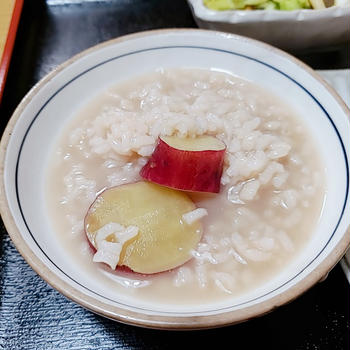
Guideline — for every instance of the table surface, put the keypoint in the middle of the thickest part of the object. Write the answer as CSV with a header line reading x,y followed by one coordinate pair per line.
x,y
35,316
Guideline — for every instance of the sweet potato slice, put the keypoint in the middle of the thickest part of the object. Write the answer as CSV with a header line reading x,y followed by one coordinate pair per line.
x,y
164,240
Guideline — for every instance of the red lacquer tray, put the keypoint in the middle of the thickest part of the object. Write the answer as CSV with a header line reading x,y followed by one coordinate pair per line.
x,y
9,17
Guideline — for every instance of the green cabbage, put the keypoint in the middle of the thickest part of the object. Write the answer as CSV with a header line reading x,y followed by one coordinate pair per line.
x,y
292,4
220,5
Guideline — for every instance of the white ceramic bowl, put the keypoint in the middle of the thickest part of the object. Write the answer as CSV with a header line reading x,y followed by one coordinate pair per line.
x,y
299,30
40,117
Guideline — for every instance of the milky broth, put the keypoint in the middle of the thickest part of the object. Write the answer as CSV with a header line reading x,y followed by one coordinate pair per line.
x,y
272,185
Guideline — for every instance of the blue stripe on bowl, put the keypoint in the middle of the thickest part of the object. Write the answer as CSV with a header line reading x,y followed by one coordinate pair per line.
x,y
198,48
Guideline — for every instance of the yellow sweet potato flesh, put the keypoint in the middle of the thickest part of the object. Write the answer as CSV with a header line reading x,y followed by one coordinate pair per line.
x,y
164,241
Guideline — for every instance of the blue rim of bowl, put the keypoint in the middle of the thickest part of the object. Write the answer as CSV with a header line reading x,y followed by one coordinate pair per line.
x,y
200,48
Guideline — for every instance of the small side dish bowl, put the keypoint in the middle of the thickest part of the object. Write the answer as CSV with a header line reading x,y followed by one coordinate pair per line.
x,y
49,106
298,30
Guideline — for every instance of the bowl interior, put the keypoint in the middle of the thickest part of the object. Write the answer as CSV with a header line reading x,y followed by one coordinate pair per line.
x,y
52,104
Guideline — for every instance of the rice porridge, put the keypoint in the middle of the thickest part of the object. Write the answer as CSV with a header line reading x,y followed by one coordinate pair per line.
x,y
272,186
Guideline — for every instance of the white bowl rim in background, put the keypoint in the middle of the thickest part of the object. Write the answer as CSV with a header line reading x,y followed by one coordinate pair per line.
x,y
297,31
235,16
